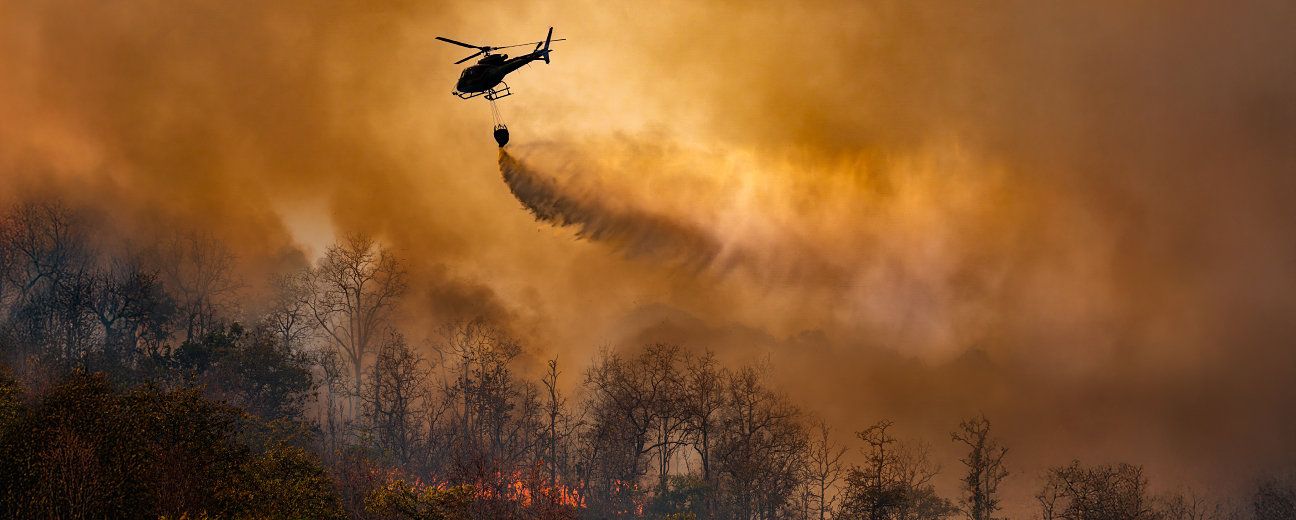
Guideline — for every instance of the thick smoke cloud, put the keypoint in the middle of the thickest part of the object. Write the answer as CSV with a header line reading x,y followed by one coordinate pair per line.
x,y
1075,217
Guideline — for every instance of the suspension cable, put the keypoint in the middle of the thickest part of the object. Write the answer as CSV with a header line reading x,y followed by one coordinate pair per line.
x,y
495,115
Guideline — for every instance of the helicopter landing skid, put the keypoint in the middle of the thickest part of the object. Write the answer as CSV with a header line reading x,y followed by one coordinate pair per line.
x,y
491,94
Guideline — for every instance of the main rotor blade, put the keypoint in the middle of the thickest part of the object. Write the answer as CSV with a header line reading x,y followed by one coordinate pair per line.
x,y
461,44
523,44
469,58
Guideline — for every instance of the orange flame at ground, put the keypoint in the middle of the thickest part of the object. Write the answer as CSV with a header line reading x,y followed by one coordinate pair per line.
x,y
526,488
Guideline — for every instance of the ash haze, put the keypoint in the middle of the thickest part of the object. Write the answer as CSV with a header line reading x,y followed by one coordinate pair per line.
x,y
1077,217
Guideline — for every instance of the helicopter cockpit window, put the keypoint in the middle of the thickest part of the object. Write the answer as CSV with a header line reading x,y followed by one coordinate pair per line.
x,y
472,72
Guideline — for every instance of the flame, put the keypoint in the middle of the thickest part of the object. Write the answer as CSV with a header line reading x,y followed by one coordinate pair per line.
x,y
525,487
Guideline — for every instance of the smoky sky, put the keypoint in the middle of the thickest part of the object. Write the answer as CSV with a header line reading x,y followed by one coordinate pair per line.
x,y
1076,217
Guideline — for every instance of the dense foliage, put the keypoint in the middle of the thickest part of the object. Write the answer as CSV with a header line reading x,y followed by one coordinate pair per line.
x,y
88,450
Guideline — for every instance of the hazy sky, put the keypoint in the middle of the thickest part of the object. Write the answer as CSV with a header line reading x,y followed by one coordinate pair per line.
x,y
1098,197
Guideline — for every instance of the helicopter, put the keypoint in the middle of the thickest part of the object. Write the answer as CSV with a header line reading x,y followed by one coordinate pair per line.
x,y
486,77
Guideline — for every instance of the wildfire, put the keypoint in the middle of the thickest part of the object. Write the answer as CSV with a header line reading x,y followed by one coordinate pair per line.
x,y
526,488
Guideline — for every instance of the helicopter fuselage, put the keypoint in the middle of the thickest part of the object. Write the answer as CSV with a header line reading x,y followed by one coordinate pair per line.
x,y
490,71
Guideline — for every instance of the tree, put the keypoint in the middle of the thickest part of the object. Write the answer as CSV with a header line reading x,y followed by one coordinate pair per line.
x,y
823,470
257,372
702,403
985,469
395,397
50,271
250,369
1108,492
493,424
895,481
88,450
288,315
1189,505
130,308
761,447
665,384
635,408
353,291
1274,499
558,433
43,242
397,499
198,272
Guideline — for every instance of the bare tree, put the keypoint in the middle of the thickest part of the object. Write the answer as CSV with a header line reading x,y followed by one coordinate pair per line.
x,y
703,403
50,271
396,398
496,417
823,469
1190,505
761,447
353,292
985,469
198,271
1274,498
895,481
337,425
636,408
288,315
130,307
665,383
560,427
1108,492
44,242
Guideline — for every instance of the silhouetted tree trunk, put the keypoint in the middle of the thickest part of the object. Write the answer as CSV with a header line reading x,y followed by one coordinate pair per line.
x,y
823,470
49,271
761,447
288,315
396,398
895,481
985,469
703,402
354,289
198,272
1107,492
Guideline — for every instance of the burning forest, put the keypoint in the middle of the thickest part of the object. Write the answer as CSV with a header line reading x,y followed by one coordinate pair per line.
x,y
827,260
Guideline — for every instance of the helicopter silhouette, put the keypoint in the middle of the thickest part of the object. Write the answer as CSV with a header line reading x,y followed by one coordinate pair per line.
x,y
489,72
483,78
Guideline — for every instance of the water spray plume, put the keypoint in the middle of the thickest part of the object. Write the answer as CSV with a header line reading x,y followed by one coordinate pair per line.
x,y
633,231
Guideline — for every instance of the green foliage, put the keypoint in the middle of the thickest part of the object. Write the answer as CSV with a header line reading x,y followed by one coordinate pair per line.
x,y
400,500
247,368
88,450
285,482
10,398
682,496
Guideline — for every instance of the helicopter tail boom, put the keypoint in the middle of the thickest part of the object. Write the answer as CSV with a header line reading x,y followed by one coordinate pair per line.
x,y
546,47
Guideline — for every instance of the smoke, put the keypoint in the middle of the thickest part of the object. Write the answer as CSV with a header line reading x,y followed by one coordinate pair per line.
x,y
909,249
1073,216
